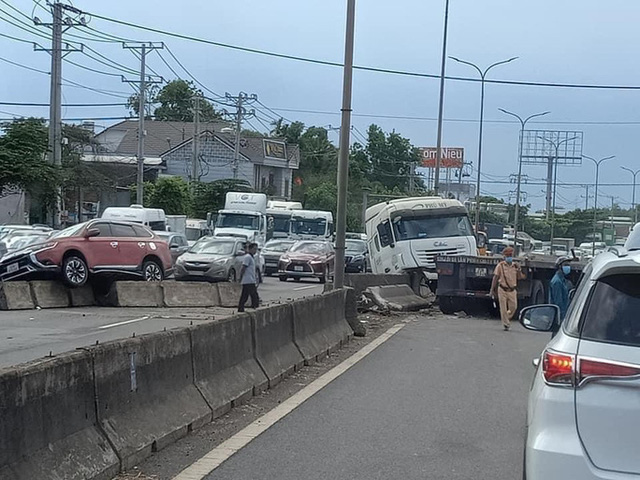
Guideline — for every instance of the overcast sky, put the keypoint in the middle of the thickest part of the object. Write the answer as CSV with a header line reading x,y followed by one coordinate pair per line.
x,y
567,41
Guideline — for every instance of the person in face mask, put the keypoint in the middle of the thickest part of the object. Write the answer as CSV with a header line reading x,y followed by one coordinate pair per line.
x,y
559,286
504,286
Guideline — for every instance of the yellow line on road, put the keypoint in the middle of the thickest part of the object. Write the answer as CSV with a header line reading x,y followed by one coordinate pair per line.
x,y
212,460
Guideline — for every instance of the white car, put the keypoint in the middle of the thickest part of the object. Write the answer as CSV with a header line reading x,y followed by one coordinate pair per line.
x,y
583,417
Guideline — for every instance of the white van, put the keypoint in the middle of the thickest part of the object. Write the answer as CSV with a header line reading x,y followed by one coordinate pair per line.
x,y
153,218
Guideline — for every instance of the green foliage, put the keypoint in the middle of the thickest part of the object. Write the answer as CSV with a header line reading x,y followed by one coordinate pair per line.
x,y
209,197
171,194
23,158
176,103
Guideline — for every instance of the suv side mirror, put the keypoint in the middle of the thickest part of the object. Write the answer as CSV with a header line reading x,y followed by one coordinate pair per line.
x,y
540,318
92,232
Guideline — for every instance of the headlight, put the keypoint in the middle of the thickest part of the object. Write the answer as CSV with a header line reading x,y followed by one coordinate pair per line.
x,y
222,261
180,261
358,258
315,262
285,259
46,246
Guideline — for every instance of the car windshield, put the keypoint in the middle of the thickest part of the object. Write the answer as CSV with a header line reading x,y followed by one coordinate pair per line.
x,y
278,246
72,231
309,226
309,247
354,246
213,247
412,228
238,220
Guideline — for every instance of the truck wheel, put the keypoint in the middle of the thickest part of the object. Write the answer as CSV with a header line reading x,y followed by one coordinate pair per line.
x,y
448,305
537,293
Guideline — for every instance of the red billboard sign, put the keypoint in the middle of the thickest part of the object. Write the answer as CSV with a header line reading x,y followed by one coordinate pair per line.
x,y
451,157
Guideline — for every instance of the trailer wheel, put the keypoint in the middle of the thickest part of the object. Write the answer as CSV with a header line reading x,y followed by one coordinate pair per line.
x,y
449,305
537,295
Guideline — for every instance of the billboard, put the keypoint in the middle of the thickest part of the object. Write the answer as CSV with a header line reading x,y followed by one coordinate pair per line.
x,y
275,149
451,157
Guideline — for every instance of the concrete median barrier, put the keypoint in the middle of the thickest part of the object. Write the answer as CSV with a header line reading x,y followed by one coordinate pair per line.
x,y
190,294
48,425
50,294
276,352
82,297
146,395
16,296
319,325
396,297
229,294
224,364
361,281
135,294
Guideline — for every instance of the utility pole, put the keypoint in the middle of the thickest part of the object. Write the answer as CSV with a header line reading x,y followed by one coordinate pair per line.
x,y
586,197
142,103
343,155
196,139
55,94
239,103
595,202
633,198
436,182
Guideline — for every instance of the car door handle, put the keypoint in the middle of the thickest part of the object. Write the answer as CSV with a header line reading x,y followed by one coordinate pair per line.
x,y
114,244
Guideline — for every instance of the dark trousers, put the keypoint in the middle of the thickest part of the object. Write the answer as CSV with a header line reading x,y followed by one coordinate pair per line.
x,y
249,290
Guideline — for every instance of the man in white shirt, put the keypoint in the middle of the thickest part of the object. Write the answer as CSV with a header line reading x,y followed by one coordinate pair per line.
x,y
248,278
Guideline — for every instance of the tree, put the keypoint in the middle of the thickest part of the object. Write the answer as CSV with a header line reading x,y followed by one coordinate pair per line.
x,y
176,103
23,162
171,194
210,197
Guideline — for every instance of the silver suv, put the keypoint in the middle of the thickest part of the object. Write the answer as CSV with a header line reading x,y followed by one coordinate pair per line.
x,y
584,405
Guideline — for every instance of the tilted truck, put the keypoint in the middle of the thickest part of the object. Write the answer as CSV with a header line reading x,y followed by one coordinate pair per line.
x,y
405,236
464,281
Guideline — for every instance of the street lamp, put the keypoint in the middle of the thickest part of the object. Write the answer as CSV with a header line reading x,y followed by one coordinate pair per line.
x,y
633,200
595,204
523,124
554,171
483,74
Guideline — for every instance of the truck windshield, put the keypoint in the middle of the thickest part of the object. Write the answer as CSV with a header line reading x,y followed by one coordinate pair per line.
x,y
238,220
158,226
309,226
281,223
412,228
193,234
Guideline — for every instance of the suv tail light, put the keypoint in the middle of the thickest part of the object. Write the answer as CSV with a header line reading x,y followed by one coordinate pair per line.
x,y
558,368
562,369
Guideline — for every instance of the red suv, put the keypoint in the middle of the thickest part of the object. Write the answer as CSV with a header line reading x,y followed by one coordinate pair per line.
x,y
91,248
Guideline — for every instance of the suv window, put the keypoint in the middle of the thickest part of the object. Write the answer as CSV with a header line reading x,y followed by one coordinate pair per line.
x,y
105,229
612,312
141,231
120,230
574,312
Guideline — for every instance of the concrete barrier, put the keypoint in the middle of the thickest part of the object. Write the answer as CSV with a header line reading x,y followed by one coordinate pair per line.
x,y
351,313
224,364
229,294
50,294
48,426
275,351
145,391
135,294
82,297
16,296
319,325
361,281
397,297
190,294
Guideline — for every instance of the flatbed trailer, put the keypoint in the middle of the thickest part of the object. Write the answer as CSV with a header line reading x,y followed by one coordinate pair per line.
x,y
464,282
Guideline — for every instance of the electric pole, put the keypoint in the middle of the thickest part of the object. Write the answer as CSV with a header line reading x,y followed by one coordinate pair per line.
x,y
196,139
443,65
142,103
55,94
239,103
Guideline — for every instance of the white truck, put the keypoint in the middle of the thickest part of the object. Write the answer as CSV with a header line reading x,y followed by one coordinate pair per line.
x,y
311,225
406,235
283,205
196,229
153,218
244,215
177,223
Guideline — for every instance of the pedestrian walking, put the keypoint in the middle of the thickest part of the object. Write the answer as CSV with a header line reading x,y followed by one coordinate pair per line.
x,y
248,278
504,287
560,286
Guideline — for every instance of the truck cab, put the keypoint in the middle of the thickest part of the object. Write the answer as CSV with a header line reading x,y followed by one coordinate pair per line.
x,y
406,235
244,215
311,225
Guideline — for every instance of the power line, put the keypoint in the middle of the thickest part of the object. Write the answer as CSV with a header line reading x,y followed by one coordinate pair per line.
x,y
71,105
364,68
191,75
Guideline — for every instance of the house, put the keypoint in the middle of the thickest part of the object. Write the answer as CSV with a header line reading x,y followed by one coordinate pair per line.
x,y
266,163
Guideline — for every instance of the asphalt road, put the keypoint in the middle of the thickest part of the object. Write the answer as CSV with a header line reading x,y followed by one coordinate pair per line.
x,y
445,398
30,334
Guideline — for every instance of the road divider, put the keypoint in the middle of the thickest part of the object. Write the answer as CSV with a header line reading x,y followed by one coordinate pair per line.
x,y
396,297
92,413
361,281
47,294
16,296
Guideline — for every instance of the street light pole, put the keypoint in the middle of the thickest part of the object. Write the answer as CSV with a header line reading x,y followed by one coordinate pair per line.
x,y
523,124
436,181
633,200
595,202
483,75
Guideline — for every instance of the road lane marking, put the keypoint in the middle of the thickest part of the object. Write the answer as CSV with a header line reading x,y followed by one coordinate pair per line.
x,y
212,460
126,322
305,288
